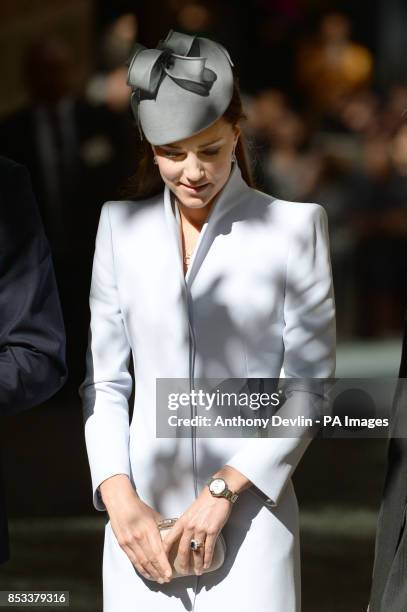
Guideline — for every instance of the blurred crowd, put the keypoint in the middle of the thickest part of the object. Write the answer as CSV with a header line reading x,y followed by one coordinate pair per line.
x,y
325,133
342,142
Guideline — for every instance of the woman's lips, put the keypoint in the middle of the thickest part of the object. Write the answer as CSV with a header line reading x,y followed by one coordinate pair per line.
x,y
195,189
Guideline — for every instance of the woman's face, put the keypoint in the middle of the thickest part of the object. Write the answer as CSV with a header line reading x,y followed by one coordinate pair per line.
x,y
196,168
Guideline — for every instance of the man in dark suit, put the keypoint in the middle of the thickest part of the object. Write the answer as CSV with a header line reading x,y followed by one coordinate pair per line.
x,y
32,337
389,587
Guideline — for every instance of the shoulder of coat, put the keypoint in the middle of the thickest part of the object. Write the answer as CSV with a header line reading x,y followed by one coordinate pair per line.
x,y
126,209
298,212
290,217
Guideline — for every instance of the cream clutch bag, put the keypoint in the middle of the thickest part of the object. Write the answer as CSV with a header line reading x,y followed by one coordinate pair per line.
x,y
218,558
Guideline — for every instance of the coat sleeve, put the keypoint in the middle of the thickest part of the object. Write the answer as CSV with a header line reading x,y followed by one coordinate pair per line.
x,y
108,382
309,353
32,335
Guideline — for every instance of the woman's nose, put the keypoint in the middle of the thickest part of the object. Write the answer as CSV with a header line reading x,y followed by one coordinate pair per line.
x,y
193,170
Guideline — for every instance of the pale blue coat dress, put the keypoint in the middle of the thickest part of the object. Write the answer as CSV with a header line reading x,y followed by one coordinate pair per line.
x,y
257,301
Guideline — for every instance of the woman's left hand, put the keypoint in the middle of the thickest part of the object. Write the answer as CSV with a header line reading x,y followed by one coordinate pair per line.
x,y
202,521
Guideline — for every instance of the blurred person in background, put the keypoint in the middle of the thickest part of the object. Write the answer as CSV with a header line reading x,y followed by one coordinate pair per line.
x,y
76,157
360,113
292,168
395,107
265,110
32,337
330,65
107,86
195,16
379,217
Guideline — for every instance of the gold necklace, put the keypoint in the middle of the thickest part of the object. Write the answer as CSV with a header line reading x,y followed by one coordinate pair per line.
x,y
186,256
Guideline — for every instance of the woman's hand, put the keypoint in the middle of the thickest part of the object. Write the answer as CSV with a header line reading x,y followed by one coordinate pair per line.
x,y
202,521
134,524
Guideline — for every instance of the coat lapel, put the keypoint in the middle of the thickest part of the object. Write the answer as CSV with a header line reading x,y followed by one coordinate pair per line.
x,y
174,230
228,197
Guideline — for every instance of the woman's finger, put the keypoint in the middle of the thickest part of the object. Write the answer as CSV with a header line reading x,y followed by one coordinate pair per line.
x,y
158,557
140,563
171,536
142,571
198,555
184,550
145,563
153,567
148,560
209,548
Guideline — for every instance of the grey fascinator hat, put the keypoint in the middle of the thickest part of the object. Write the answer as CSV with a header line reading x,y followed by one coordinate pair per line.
x,y
179,88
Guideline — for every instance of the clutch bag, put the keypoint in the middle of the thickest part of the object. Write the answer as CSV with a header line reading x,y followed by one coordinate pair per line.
x,y
218,557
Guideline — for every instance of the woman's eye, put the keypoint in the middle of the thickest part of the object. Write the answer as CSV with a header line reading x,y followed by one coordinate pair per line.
x,y
212,152
171,154
175,154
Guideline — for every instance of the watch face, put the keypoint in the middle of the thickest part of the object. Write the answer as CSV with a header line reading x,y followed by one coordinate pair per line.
x,y
218,486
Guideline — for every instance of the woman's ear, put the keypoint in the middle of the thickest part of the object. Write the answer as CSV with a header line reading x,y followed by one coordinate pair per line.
x,y
154,154
237,130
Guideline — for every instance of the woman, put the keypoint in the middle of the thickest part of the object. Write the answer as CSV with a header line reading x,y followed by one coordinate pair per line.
x,y
199,276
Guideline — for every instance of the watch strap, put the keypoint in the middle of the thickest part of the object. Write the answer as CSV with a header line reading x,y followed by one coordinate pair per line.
x,y
232,497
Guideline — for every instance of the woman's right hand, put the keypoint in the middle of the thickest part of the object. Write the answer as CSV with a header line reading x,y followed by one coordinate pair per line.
x,y
134,524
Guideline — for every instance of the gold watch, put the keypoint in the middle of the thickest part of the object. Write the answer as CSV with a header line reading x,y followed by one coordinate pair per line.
x,y
219,488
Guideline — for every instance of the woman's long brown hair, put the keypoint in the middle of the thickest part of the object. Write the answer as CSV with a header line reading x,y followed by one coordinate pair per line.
x,y
147,181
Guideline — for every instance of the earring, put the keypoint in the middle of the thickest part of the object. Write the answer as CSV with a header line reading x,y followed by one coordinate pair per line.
x,y
234,156
155,160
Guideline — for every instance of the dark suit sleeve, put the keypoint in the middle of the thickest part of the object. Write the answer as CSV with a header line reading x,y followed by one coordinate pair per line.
x,y
32,336
389,586
403,361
